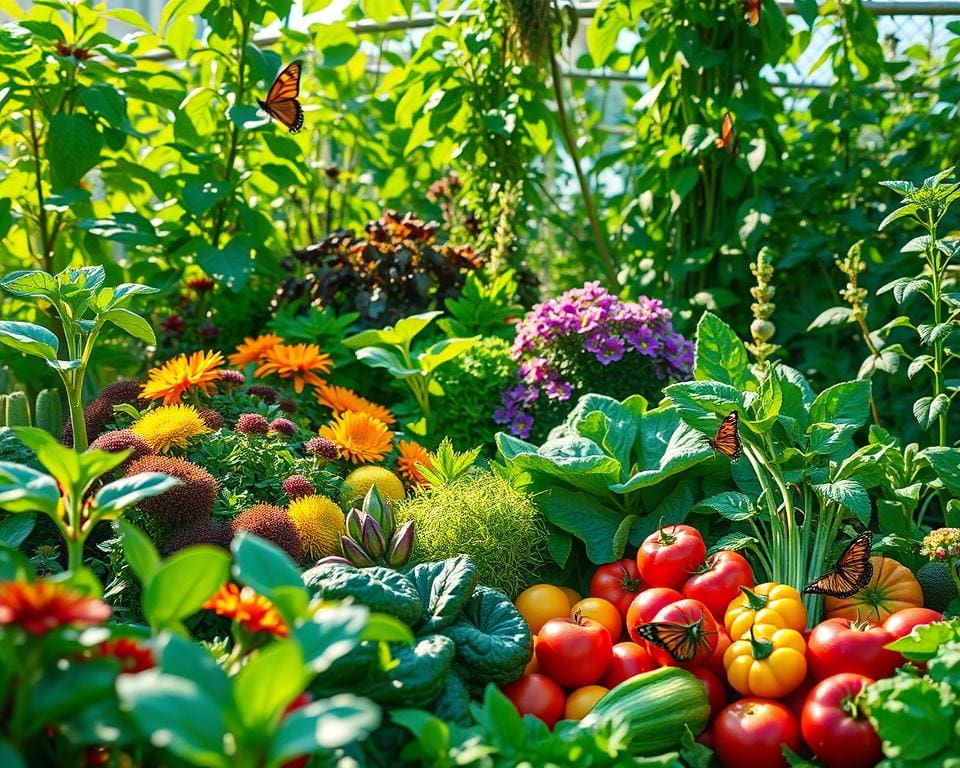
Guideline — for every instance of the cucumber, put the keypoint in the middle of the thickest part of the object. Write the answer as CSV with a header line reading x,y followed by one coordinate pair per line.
x,y
656,706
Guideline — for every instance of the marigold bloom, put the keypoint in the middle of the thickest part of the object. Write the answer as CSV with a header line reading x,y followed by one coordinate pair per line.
x,y
295,361
412,454
42,607
319,523
182,373
132,656
253,349
340,399
169,427
254,612
360,437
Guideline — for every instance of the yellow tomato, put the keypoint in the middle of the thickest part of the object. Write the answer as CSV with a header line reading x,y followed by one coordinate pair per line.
x,y
769,603
572,595
540,603
582,700
601,611
768,661
533,666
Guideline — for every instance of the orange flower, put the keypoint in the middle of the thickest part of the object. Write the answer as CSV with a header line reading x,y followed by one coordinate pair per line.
x,y
245,606
340,399
132,656
252,350
411,454
176,376
295,361
43,606
360,437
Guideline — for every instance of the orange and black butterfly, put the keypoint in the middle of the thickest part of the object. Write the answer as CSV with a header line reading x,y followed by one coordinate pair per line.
x,y
751,11
727,439
852,572
281,103
681,641
728,137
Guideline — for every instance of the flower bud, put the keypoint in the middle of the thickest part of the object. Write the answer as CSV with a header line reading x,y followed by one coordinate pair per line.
x,y
354,553
354,524
372,538
401,546
373,504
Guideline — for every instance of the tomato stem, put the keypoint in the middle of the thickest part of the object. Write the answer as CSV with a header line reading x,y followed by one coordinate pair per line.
x,y
665,539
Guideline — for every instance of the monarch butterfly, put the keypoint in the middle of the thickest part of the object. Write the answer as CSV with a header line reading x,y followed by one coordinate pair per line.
x,y
728,138
751,12
852,572
281,103
727,439
681,641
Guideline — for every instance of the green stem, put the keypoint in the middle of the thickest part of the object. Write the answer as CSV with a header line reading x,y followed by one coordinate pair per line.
x,y
75,552
933,259
77,420
46,250
777,553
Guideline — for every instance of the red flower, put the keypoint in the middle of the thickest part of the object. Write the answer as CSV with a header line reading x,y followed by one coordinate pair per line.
x,y
200,284
255,612
132,656
42,607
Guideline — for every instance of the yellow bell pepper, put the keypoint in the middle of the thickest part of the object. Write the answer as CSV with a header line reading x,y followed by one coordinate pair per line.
x,y
768,661
769,603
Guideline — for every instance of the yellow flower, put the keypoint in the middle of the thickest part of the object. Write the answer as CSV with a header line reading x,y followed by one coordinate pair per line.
x,y
340,399
296,361
360,437
252,350
176,376
169,427
412,454
319,523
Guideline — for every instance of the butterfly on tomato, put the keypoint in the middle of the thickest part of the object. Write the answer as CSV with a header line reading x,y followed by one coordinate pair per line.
x,y
281,103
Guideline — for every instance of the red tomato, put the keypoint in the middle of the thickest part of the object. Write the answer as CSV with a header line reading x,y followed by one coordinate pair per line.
x,y
539,696
617,583
701,629
835,726
719,581
716,690
842,645
628,659
574,652
706,738
749,732
901,623
645,606
715,662
668,557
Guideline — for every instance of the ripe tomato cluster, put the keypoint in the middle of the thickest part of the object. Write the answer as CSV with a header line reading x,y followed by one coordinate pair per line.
x,y
770,682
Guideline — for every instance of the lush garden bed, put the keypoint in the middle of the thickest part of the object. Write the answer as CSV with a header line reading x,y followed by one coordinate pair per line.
x,y
298,483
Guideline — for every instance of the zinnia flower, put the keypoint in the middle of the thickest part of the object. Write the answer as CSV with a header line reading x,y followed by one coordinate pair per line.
x,y
169,427
182,373
295,361
132,656
43,606
254,612
319,523
360,437
412,454
340,399
253,349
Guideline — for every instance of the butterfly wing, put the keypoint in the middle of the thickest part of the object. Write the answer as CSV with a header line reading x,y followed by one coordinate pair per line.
x,y
728,137
675,639
281,103
727,439
852,572
751,12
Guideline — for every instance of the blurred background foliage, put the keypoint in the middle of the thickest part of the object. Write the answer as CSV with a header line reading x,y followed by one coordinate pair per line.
x,y
561,141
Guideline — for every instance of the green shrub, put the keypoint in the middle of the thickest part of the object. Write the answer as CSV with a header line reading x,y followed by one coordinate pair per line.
x,y
473,384
485,518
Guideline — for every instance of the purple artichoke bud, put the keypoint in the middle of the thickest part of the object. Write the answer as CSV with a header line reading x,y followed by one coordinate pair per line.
x,y
373,504
401,545
354,553
354,523
334,560
372,536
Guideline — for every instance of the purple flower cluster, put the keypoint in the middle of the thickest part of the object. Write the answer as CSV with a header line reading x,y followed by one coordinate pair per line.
x,y
592,324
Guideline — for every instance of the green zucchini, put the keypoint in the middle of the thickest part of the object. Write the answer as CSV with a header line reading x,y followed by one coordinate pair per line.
x,y
656,706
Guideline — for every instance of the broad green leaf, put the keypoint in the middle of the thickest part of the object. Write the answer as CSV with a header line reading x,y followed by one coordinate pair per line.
x,y
331,633
32,283
827,439
132,323
29,338
231,265
376,357
140,552
268,682
267,568
61,462
831,316
849,494
188,717
720,355
946,463
444,351
603,531
432,733
913,716
69,686
575,461
409,327
326,724
16,528
117,496
704,404
382,628
844,403
25,490
72,148
184,583
180,657
928,409
730,504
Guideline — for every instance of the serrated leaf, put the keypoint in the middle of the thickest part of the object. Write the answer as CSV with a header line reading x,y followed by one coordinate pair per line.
x,y
926,410
831,316
904,210
849,494
930,333
918,364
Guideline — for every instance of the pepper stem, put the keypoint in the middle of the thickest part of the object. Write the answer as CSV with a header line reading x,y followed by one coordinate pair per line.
x,y
761,649
755,601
